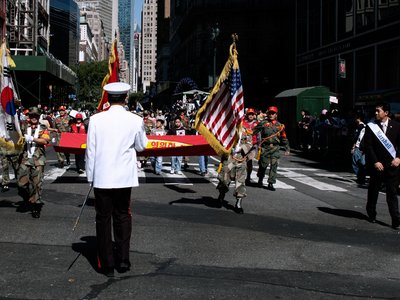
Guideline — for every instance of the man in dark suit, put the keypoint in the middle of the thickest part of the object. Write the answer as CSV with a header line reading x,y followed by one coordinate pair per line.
x,y
382,152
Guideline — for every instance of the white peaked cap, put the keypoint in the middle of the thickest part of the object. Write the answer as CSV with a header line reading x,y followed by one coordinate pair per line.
x,y
117,88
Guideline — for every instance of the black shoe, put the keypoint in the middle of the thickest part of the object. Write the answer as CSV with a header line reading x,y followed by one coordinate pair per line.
x,y
270,187
238,210
37,208
260,184
107,271
371,218
5,188
123,266
61,164
68,162
35,213
247,182
185,167
80,171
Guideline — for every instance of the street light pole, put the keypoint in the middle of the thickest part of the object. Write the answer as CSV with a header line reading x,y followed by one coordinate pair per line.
x,y
214,35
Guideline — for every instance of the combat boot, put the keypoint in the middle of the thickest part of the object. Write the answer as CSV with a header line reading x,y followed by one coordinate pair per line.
x,y
37,208
271,187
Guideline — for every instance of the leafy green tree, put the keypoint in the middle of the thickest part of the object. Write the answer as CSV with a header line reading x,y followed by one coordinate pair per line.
x,y
134,98
90,78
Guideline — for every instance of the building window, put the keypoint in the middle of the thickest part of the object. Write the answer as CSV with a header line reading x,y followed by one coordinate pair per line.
x,y
314,21
345,18
365,15
388,11
365,70
328,21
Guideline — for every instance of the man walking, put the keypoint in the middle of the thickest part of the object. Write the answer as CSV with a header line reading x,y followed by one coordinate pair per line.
x,y
113,138
272,136
382,152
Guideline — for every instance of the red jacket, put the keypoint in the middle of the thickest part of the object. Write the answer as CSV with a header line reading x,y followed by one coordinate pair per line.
x,y
78,128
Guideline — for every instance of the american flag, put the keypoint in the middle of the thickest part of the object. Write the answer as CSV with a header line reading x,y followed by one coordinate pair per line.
x,y
222,114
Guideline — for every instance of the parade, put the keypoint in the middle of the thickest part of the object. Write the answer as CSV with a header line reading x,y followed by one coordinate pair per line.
x,y
212,152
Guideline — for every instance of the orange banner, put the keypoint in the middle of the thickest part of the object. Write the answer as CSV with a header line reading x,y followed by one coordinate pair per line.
x,y
167,145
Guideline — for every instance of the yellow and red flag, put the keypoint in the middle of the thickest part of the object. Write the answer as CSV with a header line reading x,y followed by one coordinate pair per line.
x,y
112,75
220,118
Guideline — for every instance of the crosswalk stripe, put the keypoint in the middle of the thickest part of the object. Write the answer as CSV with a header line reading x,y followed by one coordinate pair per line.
x,y
310,181
174,179
52,173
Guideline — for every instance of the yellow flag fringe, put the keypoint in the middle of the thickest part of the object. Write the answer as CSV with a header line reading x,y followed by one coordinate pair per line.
x,y
232,62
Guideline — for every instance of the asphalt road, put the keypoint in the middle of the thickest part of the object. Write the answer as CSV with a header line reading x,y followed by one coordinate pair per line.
x,y
309,239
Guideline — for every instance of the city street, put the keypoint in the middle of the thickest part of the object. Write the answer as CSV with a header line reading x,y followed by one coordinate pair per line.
x,y
310,239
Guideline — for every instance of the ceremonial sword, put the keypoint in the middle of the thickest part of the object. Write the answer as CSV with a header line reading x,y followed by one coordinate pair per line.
x,y
83,206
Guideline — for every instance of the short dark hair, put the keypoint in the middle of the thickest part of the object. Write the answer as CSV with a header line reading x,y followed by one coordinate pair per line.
x,y
115,98
384,105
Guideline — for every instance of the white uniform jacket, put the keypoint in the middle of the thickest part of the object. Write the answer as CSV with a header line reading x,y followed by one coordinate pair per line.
x,y
112,139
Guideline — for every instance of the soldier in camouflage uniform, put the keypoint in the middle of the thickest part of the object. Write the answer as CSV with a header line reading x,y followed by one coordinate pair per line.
x,y
32,162
271,135
6,160
234,168
62,124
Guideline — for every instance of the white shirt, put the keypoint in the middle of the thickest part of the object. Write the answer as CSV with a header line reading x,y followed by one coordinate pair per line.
x,y
385,125
113,138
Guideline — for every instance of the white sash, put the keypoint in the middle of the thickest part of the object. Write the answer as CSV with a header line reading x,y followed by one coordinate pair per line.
x,y
383,138
31,146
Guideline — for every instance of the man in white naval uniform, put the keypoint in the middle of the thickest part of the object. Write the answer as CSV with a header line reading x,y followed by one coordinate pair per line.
x,y
113,138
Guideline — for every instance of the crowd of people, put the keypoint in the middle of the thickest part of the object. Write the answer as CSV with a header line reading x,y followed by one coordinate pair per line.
x,y
375,150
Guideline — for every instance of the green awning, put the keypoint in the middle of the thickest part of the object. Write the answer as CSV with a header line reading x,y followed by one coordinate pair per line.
x,y
47,65
312,90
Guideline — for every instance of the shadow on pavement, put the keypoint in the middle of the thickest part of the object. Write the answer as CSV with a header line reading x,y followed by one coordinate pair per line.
x,y
206,201
7,203
349,214
86,248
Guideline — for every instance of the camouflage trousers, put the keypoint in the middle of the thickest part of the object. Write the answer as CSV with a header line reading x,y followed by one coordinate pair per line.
x,y
62,156
271,159
236,171
30,179
5,165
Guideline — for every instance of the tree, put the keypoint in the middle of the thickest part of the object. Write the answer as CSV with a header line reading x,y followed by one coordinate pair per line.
x,y
90,78
134,98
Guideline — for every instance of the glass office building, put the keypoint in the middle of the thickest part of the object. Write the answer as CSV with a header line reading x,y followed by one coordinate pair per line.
x,y
64,28
352,47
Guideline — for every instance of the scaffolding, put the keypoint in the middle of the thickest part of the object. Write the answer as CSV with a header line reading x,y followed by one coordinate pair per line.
x,y
28,27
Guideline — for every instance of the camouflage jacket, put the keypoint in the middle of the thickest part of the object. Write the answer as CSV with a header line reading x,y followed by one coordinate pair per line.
x,y
271,133
38,151
62,123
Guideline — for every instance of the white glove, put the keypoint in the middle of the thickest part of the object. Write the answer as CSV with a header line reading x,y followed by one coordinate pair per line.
x,y
28,138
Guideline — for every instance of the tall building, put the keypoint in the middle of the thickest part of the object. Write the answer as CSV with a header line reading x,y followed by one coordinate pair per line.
x,y
126,33
64,28
136,67
163,47
352,47
27,25
93,19
106,10
87,46
149,43
201,33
